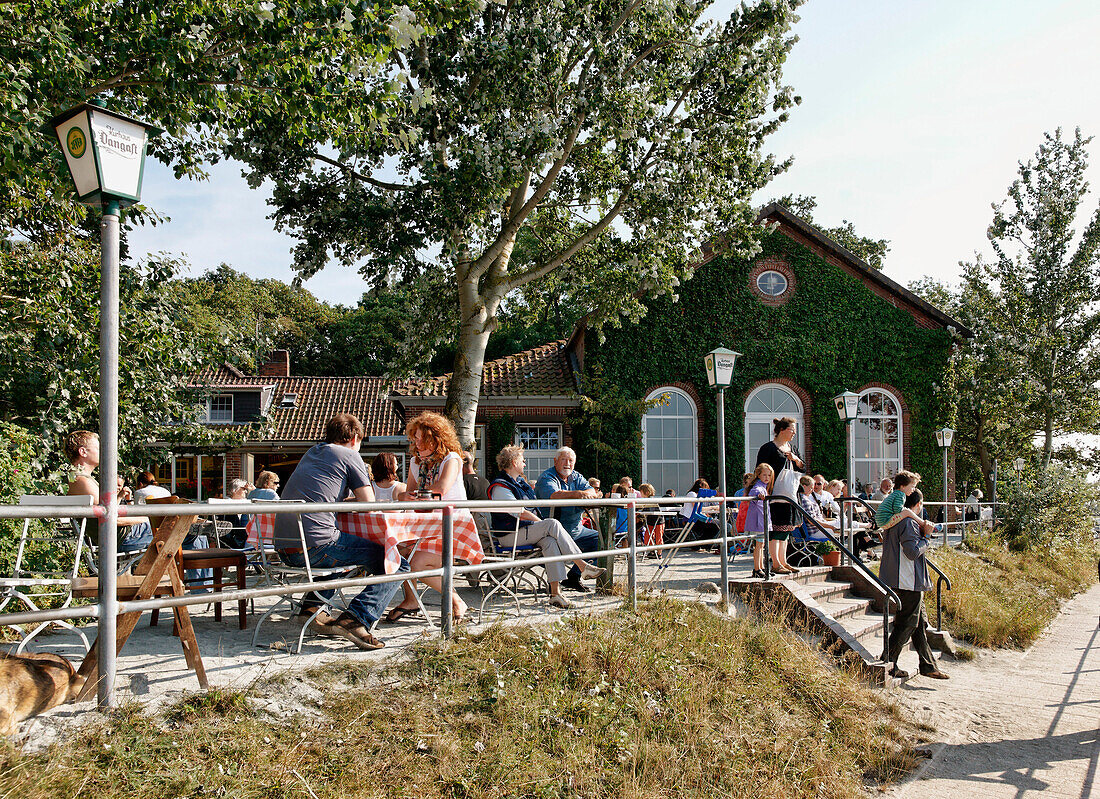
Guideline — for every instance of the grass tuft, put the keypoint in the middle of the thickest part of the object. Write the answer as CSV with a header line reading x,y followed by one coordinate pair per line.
x,y
1001,598
672,702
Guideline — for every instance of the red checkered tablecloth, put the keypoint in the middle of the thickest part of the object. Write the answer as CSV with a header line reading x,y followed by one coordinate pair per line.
x,y
391,529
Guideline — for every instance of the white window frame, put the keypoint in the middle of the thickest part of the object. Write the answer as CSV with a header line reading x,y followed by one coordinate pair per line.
x,y
210,409
481,467
761,416
901,433
694,427
786,282
532,472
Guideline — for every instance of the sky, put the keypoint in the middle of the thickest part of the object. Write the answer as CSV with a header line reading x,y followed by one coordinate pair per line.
x,y
913,119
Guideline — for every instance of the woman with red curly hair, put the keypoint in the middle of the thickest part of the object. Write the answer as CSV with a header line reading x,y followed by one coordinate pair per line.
x,y
436,467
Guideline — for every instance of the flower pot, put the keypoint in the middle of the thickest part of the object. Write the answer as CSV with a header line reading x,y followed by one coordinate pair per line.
x,y
831,558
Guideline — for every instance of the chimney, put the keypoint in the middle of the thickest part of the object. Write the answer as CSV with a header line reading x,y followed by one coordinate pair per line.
x,y
278,364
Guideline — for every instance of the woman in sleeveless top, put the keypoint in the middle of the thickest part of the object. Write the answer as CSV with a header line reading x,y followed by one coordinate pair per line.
x,y
437,466
383,474
778,453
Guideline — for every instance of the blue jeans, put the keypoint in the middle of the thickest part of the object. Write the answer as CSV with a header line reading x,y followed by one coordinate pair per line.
x,y
203,578
589,541
349,550
135,537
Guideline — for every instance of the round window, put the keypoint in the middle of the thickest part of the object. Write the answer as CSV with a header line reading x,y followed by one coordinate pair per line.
x,y
771,283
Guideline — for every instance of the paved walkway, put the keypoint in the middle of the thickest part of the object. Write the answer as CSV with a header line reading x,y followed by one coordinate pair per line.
x,y
1017,724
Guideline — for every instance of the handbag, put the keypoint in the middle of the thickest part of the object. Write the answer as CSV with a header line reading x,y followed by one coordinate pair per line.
x,y
786,482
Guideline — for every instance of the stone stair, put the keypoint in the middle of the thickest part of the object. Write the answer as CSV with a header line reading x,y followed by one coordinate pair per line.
x,y
836,604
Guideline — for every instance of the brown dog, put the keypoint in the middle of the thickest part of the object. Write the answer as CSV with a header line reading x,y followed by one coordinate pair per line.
x,y
30,684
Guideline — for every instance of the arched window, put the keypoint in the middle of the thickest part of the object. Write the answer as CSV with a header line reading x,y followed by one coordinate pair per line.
x,y
767,402
876,443
670,451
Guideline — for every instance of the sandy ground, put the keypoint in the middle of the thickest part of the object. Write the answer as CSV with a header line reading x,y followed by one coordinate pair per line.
x,y
1015,724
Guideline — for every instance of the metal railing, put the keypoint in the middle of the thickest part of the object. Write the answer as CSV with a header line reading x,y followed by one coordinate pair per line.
x,y
888,594
448,569
941,577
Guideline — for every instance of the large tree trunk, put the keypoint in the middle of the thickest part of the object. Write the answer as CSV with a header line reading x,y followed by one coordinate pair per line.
x,y
479,298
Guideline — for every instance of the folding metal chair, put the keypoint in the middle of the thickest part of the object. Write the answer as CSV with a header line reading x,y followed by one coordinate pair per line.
x,y
279,573
508,579
46,563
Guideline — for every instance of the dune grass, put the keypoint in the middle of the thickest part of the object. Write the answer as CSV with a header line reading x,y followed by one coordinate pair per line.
x,y
1002,598
673,702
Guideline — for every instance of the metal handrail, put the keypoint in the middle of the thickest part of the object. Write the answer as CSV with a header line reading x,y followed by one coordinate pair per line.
x,y
887,591
941,577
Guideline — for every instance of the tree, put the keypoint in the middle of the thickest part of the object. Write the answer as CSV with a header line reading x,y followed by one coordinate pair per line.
x,y
49,352
1043,286
994,402
873,251
616,136
196,68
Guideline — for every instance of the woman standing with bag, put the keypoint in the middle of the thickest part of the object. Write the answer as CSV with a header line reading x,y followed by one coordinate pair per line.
x,y
781,455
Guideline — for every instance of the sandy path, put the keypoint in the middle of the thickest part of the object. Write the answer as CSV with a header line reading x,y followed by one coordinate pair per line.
x,y
1016,724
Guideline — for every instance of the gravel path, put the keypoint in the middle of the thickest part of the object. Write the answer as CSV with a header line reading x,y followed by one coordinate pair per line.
x,y
1016,724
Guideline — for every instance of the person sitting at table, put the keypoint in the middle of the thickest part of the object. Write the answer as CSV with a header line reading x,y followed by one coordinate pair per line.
x,y
562,481
82,450
384,482
435,474
548,534
327,473
237,538
266,483
147,488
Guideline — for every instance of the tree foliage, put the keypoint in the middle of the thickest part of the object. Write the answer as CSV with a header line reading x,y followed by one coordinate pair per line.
x,y
49,352
599,142
198,69
1042,287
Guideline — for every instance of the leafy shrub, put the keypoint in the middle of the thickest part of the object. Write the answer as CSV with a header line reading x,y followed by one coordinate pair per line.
x,y
1049,510
18,450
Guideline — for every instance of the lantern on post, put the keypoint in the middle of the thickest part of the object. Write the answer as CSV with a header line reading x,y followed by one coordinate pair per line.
x,y
1018,465
719,364
945,436
847,408
105,154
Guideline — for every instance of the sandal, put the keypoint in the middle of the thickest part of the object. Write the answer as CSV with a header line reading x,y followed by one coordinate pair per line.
x,y
398,613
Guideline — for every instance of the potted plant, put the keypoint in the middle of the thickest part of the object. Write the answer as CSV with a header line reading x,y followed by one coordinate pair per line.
x,y
829,554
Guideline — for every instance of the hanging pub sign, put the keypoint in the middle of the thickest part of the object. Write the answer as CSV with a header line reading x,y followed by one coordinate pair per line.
x,y
105,153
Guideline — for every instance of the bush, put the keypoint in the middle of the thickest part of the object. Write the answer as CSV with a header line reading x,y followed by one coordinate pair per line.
x,y
1050,511
18,449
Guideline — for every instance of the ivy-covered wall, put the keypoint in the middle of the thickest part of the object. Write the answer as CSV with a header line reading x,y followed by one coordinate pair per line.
x,y
834,334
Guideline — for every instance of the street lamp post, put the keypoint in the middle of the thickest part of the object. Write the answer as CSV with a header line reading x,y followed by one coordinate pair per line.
x,y
105,154
847,408
719,364
1018,465
944,437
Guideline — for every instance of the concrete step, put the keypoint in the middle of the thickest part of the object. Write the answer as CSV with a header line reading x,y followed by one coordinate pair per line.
x,y
811,574
847,607
823,591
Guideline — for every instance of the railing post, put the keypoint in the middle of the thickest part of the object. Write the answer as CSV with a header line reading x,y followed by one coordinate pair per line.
x,y
767,538
847,543
724,554
632,576
108,466
446,609
939,603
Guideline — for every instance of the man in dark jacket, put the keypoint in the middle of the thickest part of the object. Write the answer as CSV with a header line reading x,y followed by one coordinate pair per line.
x,y
905,570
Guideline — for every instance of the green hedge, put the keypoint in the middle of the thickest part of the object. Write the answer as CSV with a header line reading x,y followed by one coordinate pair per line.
x,y
833,335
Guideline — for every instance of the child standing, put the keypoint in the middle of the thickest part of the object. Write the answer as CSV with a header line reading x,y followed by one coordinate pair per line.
x,y
757,518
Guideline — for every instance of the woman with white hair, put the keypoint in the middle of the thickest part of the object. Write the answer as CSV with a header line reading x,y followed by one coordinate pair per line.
x,y
510,485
